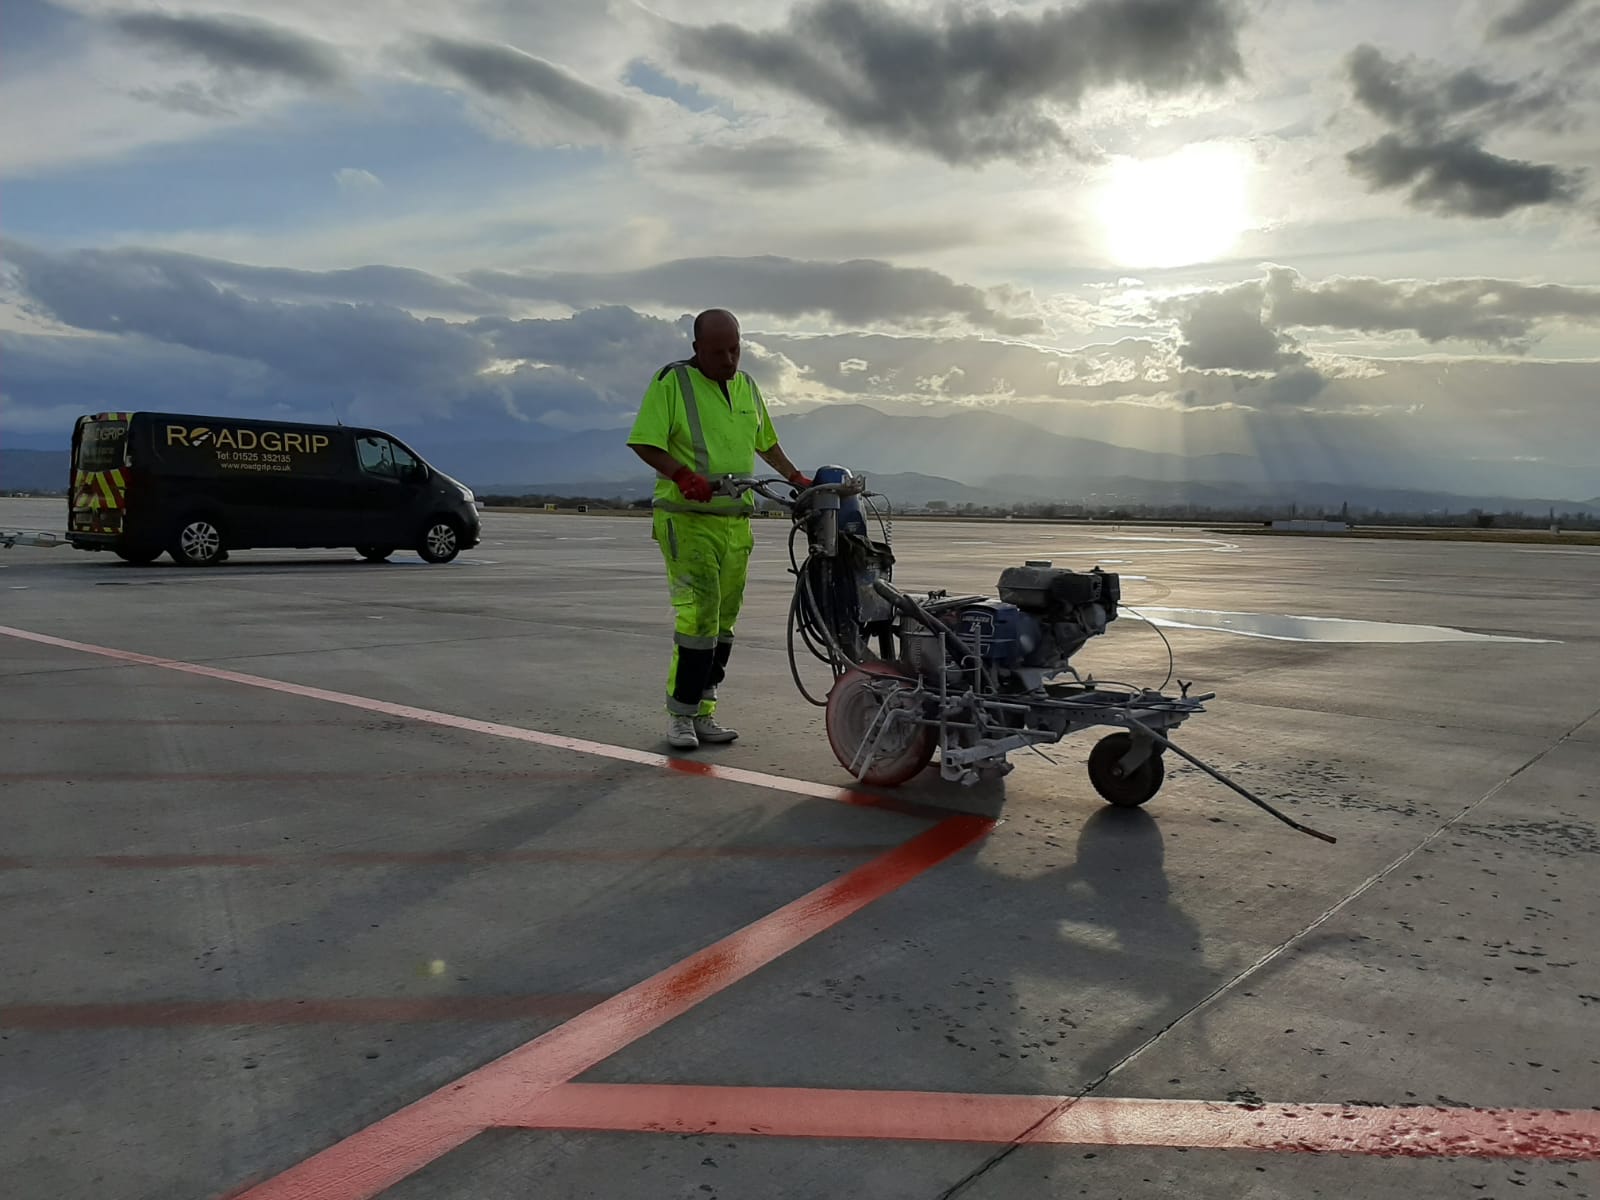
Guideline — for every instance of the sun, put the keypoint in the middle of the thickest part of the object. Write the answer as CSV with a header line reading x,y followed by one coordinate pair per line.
x,y
1186,207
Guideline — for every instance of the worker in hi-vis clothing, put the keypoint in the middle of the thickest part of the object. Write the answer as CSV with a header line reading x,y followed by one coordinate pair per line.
x,y
703,417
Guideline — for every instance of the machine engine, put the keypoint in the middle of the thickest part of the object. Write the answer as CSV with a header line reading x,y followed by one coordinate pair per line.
x,y
1044,616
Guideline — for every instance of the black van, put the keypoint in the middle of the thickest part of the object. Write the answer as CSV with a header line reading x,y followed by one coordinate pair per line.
x,y
199,486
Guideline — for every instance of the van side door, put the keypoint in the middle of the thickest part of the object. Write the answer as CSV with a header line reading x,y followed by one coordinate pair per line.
x,y
392,487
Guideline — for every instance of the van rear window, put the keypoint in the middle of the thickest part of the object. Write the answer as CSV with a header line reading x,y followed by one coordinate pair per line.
x,y
102,446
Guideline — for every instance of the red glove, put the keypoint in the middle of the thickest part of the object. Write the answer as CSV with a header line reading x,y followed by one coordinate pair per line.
x,y
801,480
694,486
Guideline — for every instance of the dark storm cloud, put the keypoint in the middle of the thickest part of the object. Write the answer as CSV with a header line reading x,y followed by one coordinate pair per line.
x,y
859,292
164,298
1435,148
971,86
400,287
1528,16
233,43
613,349
1458,177
1498,312
1245,327
1408,99
506,73
1225,330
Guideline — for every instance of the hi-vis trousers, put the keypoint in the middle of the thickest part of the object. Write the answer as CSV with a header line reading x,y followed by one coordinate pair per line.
x,y
707,560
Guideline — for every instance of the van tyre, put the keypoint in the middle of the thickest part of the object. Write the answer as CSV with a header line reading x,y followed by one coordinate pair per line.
x,y
375,553
197,542
141,557
441,540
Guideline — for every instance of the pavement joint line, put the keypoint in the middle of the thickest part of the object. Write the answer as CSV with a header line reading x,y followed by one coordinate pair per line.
x,y
1412,1131
1065,1106
762,779
366,1163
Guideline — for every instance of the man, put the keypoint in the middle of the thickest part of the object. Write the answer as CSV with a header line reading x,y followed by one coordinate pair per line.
x,y
700,418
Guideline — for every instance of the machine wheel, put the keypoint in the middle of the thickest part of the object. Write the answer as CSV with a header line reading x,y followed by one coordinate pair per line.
x,y
440,541
375,553
141,557
1126,789
197,542
853,704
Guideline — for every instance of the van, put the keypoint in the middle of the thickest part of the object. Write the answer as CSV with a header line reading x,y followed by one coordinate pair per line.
x,y
198,486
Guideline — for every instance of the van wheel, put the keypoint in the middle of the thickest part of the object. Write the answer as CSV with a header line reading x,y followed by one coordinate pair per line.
x,y
375,553
441,540
197,542
141,557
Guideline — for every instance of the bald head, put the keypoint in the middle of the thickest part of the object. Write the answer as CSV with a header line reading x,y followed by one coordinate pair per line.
x,y
716,344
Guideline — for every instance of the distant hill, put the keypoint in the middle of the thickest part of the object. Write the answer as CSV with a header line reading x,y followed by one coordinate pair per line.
x,y
34,470
968,457
969,446
979,458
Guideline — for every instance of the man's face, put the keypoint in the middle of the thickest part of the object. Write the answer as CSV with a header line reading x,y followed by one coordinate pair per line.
x,y
716,351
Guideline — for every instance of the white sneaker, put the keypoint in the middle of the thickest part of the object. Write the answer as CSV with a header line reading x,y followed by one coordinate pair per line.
x,y
681,733
707,729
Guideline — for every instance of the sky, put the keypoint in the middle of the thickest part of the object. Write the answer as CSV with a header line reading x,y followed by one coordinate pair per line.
x,y
1194,226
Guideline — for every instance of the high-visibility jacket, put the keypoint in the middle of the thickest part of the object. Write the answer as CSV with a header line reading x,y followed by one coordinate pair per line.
x,y
716,432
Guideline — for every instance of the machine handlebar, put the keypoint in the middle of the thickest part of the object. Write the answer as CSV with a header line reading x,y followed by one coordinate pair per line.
x,y
738,485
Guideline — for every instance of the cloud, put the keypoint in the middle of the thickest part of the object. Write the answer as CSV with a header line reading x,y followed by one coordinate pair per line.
x,y
234,44
1458,177
859,292
766,163
188,98
357,181
1226,330
1497,312
398,287
1436,148
1392,90
505,73
171,332
1528,16
975,86
1296,387
1245,327
364,349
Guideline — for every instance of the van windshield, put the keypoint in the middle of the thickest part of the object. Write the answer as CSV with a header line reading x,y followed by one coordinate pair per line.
x,y
102,445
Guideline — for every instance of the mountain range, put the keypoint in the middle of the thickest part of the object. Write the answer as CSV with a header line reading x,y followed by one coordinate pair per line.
x,y
966,457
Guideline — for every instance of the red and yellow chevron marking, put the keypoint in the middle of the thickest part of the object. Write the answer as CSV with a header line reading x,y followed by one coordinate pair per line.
x,y
100,492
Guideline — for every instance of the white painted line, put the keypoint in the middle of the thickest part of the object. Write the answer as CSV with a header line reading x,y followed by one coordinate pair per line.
x,y
779,783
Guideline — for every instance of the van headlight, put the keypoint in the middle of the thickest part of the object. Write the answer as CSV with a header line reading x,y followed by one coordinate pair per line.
x,y
466,494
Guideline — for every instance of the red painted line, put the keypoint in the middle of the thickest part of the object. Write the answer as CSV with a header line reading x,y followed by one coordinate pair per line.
x,y
384,858
673,853
181,1013
364,1164
782,1112
780,783
1399,1131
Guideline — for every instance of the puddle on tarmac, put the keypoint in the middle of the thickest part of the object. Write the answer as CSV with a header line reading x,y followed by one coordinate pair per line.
x,y
1284,628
